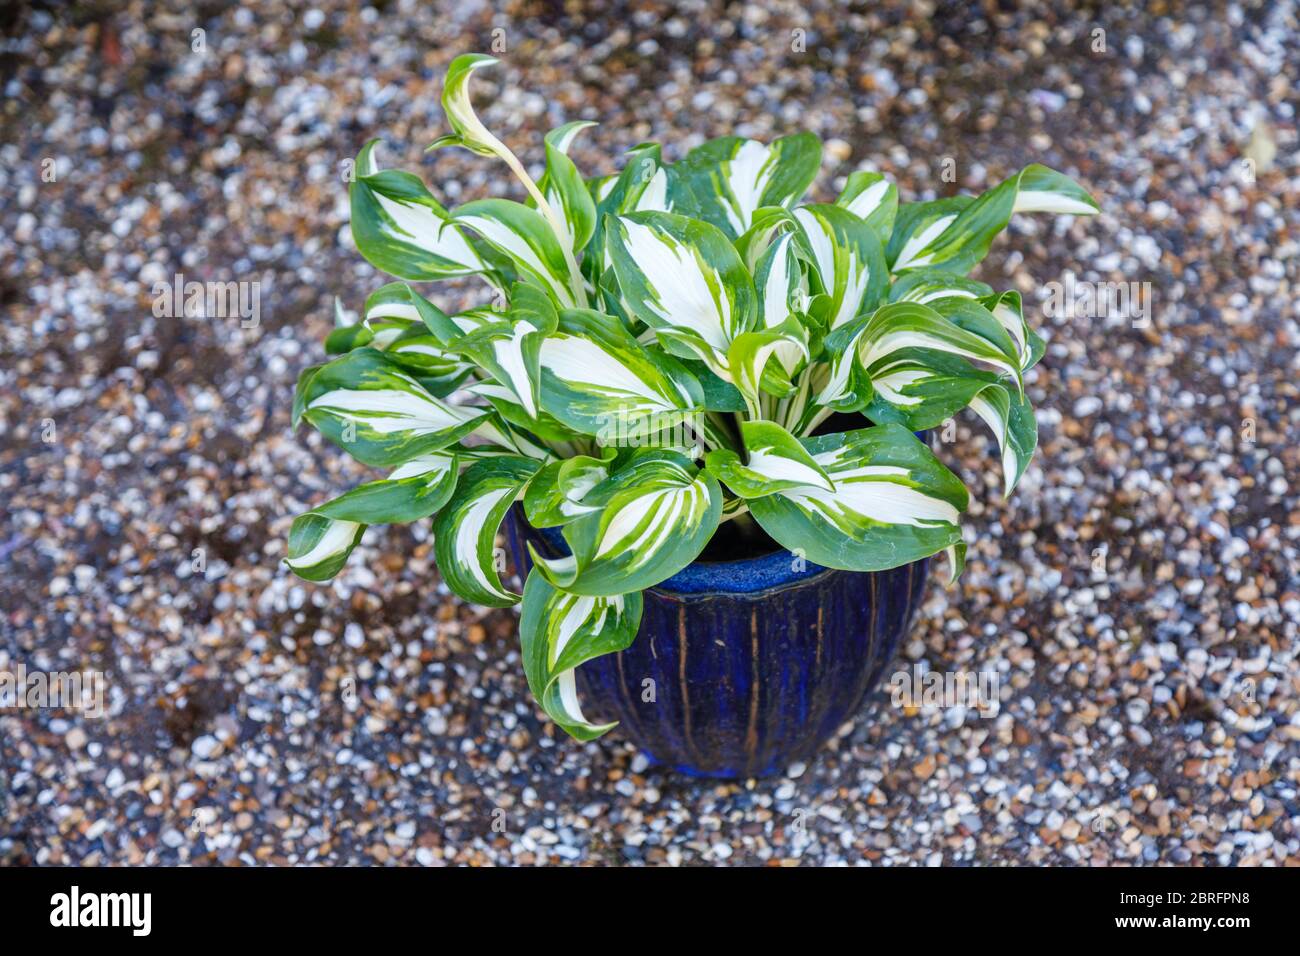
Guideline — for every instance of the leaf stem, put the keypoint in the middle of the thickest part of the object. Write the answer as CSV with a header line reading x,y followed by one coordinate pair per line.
x,y
557,227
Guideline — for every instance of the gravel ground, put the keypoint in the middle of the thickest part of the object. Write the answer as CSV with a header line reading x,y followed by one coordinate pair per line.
x,y
1138,596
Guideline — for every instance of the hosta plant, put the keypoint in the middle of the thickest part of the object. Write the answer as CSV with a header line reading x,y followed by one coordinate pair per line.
x,y
654,355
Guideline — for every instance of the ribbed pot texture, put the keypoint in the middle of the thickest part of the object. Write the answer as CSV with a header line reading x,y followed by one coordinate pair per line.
x,y
744,667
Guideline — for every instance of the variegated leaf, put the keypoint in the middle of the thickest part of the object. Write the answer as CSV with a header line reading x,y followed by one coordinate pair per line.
x,y
321,540
555,495
558,632
955,234
872,198
372,408
508,349
782,289
847,263
407,341
594,372
684,279
466,528
758,361
346,334
657,512
893,502
467,129
397,300
439,371
925,390
319,546
563,186
774,461
621,195
916,226
769,223
956,555
393,325
494,435
973,317
928,286
414,489
401,229
900,332
523,236
725,181
543,425
1007,309
1012,420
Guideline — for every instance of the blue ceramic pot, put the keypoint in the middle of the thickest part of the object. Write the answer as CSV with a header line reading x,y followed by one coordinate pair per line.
x,y
744,667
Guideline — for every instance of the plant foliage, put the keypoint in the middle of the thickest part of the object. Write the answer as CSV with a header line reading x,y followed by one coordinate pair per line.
x,y
660,349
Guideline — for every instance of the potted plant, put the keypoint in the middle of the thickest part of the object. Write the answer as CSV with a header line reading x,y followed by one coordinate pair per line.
x,y
692,408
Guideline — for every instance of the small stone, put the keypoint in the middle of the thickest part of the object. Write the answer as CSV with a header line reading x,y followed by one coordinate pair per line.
x,y
1086,406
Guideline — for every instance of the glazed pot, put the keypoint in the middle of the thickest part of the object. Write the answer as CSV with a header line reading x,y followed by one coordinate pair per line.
x,y
741,668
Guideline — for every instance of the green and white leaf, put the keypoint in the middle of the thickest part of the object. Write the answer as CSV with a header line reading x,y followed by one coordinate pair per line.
x,y
398,301
1008,310
925,390
543,425
955,234
622,194
928,286
509,349
916,226
414,489
467,129
956,555
899,332
593,372
393,325
872,198
526,239
775,461
769,222
558,632
564,188
847,262
973,317
684,279
321,540
1011,418
494,436
346,334
893,502
758,361
439,371
401,229
555,495
466,528
782,289
657,512
728,179
319,546
372,408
